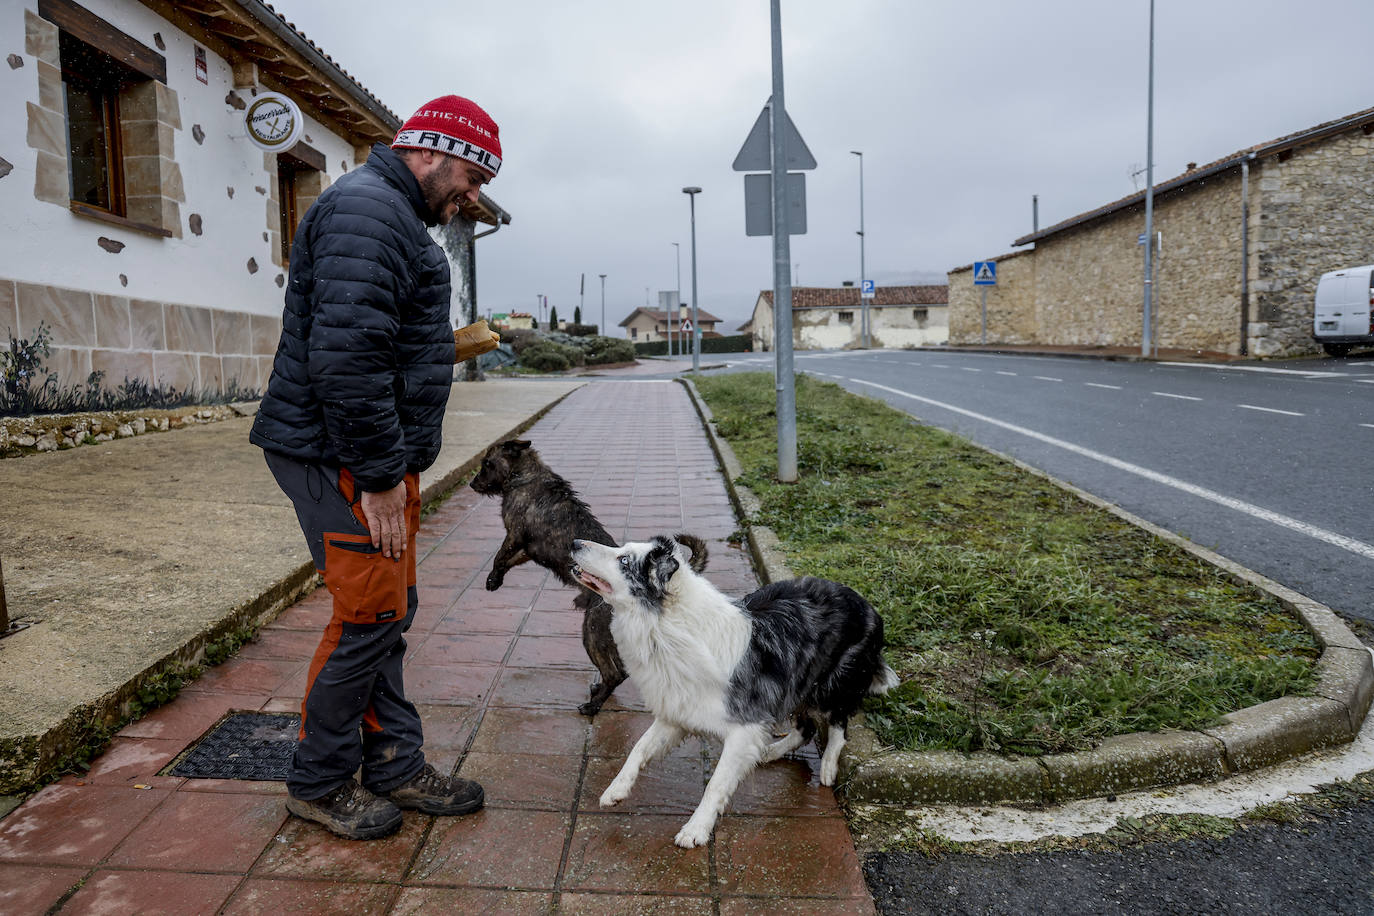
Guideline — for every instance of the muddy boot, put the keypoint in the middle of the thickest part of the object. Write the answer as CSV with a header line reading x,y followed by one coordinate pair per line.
x,y
431,793
350,811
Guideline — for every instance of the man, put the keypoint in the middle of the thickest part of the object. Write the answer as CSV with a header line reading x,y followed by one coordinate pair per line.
x,y
352,415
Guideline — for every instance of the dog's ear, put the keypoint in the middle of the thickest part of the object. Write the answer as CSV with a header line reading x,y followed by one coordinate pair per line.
x,y
516,445
663,560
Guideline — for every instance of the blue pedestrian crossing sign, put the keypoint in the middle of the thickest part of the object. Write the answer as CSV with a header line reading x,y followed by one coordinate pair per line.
x,y
984,273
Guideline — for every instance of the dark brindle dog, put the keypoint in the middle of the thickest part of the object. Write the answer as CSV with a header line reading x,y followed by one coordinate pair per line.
x,y
543,515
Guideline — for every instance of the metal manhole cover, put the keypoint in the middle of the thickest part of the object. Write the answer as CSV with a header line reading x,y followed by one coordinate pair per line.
x,y
246,745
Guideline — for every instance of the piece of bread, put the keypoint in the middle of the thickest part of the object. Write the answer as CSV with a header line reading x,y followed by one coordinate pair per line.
x,y
474,340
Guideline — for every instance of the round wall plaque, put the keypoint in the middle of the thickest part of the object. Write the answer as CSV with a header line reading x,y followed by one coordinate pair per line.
x,y
274,122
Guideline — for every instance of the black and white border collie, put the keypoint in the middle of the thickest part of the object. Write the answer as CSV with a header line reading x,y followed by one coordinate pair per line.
x,y
800,654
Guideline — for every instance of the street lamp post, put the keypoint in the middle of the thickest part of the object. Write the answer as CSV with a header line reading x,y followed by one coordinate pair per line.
x,y
677,303
1146,337
863,320
603,303
696,326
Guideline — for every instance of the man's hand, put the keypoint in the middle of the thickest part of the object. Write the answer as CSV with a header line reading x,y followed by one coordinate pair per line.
x,y
386,519
474,340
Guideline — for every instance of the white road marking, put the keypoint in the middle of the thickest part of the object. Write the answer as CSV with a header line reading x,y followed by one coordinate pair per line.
x,y
1312,531
1288,413
1100,385
1048,378
1308,373
1181,397
1004,372
970,369
1369,425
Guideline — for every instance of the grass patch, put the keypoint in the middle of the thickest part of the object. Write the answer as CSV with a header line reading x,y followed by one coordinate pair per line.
x,y
1020,618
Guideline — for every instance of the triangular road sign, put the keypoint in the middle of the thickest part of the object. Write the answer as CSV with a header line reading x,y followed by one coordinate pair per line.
x,y
756,155
984,271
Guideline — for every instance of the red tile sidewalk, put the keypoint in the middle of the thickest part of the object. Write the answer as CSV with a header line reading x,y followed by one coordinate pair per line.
x,y
497,677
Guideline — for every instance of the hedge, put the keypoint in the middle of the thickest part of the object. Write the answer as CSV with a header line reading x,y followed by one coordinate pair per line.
x,y
738,343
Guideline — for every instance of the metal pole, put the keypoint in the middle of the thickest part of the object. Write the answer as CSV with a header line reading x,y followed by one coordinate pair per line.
x,y
696,327
1146,339
1245,257
602,329
677,301
985,315
1035,213
784,380
863,271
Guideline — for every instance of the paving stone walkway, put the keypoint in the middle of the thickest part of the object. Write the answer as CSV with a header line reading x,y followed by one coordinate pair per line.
x,y
497,677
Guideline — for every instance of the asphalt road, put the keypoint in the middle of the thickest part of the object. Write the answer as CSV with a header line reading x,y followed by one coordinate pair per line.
x,y
1266,464
1313,868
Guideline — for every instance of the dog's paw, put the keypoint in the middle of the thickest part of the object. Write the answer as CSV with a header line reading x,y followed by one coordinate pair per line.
x,y
494,580
613,796
589,708
829,770
692,835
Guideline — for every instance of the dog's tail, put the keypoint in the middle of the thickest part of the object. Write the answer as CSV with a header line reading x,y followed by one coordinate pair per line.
x,y
884,680
698,548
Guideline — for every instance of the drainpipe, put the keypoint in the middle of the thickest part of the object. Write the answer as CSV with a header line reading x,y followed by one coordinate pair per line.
x,y
4,609
1245,255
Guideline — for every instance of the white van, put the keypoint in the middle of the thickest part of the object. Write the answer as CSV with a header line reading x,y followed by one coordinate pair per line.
x,y
1344,315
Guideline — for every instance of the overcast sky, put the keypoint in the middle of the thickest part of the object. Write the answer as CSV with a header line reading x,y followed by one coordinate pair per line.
x,y
963,110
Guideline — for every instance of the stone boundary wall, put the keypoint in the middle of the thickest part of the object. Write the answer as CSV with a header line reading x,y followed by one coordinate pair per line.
x,y
1090,279
1011,303
1316,214
1311,211
163,343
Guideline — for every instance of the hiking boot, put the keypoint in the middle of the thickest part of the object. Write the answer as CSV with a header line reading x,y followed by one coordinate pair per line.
x,y
350,811
431,793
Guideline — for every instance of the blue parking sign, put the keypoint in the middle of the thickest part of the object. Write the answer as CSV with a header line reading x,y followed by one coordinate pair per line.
x,y
984,273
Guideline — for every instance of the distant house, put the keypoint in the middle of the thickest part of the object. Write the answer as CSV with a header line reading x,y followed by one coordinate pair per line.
x,y
512,320
825,318
1240,245
652,324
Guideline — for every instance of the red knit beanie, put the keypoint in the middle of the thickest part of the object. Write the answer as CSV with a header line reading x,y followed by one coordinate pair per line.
x,y
457,126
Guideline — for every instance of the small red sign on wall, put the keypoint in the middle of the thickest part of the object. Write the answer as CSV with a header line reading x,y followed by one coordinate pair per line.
x,y
202,70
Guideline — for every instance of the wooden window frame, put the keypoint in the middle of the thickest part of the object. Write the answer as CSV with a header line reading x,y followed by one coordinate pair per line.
x,y
133,63
107,94
290,164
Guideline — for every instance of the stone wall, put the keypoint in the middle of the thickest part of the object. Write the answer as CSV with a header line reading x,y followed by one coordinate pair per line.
x,y
1311,211
1316,215
163,343
1011,303
1090,279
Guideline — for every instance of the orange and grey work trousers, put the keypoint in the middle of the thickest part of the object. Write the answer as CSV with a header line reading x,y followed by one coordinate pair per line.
x,y
355,713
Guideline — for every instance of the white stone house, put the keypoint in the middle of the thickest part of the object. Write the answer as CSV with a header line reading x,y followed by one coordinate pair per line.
x,y
1240,244
831,318
142,228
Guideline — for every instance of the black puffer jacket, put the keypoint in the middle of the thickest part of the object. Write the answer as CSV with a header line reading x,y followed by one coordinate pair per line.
x,y
363,370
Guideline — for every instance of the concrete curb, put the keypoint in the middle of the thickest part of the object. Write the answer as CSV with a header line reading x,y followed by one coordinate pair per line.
x,y
35,758
1245,740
